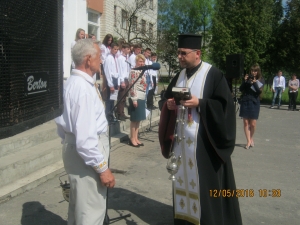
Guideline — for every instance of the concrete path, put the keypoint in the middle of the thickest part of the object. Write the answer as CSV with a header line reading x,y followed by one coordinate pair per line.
x,y
145,191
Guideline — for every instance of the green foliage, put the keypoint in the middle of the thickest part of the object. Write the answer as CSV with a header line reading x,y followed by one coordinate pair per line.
x,y
288,41
241,27
175,17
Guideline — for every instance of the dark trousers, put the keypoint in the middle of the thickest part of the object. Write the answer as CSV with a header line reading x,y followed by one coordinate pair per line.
x,y
292,99
109,104
121,104
181,222
154,82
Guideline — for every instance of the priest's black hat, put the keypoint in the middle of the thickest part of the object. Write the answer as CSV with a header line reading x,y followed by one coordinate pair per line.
x,y
191,41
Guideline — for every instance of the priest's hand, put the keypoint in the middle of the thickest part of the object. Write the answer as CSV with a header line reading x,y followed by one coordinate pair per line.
x,y
107,179
192,103
171,104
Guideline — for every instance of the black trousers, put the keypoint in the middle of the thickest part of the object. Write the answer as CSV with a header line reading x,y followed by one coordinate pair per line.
x,y
109,104
154,82
292,99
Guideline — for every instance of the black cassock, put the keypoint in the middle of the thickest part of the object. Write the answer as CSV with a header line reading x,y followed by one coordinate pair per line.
x,y
214,147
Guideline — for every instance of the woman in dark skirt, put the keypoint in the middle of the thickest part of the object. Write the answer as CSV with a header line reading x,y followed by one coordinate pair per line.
x,y
251,88
137,107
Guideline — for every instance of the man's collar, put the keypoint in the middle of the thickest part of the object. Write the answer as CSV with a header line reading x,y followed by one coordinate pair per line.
x,y
191,72
84,75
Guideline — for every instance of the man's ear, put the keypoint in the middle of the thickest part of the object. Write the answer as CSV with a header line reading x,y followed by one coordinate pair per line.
x,y
88,60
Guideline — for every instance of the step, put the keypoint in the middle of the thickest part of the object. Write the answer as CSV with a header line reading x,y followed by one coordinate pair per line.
x,y
30,181
29,138
23,162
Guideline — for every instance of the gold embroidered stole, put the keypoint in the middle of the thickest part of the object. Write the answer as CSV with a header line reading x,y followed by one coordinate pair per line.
x,y
187,187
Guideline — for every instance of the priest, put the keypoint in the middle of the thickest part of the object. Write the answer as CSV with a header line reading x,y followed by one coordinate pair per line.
x,y
204,191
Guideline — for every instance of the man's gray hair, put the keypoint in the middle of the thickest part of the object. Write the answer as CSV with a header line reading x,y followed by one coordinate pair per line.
x,y
82,48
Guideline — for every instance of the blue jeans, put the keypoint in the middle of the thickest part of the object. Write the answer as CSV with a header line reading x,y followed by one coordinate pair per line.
x,y
278,92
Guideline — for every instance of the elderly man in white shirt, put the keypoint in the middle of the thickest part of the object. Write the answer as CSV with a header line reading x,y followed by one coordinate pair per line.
x,y
278,88
83,129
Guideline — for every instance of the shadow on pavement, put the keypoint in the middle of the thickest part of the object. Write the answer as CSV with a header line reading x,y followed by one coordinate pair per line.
x,y
148,210
34,213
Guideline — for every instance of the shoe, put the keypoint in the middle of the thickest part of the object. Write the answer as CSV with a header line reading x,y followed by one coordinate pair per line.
x,y
271,107
252,144
278,107
141,144
247,147
130,143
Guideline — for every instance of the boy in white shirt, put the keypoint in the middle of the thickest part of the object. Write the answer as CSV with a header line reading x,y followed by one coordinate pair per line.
x,y
124,73
111,71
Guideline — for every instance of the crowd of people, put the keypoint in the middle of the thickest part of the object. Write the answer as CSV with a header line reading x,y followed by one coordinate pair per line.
x,y
205,130
117,61
199,130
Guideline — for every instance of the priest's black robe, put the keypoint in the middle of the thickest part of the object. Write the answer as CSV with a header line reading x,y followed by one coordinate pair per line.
x,y
215,144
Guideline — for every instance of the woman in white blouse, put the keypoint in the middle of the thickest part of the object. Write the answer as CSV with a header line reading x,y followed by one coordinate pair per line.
x,y
105,46
80,34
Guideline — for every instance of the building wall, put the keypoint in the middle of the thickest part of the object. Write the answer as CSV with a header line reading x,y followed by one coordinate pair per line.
x,y
74,16
146,13
107,19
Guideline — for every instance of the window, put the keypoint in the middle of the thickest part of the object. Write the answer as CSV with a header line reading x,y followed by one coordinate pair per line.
x,y
150,30
115,15
124,19
134,23
141,4
151,4
93,23
143,23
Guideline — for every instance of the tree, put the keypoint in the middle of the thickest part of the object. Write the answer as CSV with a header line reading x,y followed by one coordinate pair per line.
x,y
137,22
288,40
271,54
241,26
175,17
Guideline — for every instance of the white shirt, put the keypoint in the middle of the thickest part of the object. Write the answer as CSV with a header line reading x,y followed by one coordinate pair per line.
x,y
132,60
111,69
118,54
279,82
104,52
84,117
124,67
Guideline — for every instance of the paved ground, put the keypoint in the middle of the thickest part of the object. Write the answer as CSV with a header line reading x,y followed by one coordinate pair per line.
x,y
145,191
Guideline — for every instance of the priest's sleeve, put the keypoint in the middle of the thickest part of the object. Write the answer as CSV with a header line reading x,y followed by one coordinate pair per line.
x,y
217,114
